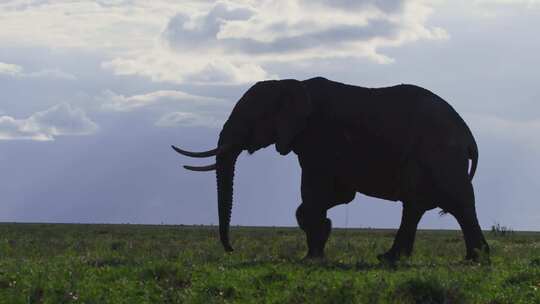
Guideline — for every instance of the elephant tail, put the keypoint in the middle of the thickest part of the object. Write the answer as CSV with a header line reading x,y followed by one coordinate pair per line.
x,y
473,155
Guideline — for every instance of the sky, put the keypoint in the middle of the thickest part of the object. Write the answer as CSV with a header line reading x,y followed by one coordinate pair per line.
x,y
95,92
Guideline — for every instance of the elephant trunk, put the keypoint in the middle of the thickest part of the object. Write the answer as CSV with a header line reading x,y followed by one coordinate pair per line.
x,y
225,174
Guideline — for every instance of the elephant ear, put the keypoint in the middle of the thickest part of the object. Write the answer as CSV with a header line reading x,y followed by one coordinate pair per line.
x,y
293,114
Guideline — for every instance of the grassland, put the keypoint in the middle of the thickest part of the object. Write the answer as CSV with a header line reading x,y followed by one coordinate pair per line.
x,y
59,263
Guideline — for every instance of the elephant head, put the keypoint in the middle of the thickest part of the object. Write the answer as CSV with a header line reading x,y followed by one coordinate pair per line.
x,y
269,112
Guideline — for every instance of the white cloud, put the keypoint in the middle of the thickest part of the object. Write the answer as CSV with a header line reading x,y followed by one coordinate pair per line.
x,y
188,119
58,120
14,70
221,42
84,25
117,102
231,42
529,3
163,65
302,29
10,69
491,9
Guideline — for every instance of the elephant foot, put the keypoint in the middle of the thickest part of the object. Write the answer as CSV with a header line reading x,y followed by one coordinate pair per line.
x,y
310,257
314,254
316,240
478,257
314,258
390,257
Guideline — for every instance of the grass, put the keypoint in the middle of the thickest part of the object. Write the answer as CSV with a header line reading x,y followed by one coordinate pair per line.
x,y
60,263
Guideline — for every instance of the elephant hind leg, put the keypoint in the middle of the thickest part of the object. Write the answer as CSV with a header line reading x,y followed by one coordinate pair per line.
x,y
404,239
456,196
472,233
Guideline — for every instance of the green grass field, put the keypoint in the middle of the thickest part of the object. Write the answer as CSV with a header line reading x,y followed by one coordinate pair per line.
x,y
60,263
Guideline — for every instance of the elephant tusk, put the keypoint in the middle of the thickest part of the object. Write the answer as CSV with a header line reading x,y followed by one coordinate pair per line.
x,y
196,154
208,153
201,168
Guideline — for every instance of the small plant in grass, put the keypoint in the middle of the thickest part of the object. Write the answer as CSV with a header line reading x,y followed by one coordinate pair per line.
x,y
498,230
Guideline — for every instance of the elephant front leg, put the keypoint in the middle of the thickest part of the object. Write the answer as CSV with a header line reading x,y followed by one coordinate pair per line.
x,y
317,228
404,239
311,214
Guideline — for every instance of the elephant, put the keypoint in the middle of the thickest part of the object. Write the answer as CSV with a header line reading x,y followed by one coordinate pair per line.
x,y
400,143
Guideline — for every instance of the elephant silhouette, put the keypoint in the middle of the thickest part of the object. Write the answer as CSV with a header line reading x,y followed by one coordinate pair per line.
x,y
399,143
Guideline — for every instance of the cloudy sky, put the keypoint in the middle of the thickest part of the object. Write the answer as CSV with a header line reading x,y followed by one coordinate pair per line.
x,y
93,94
